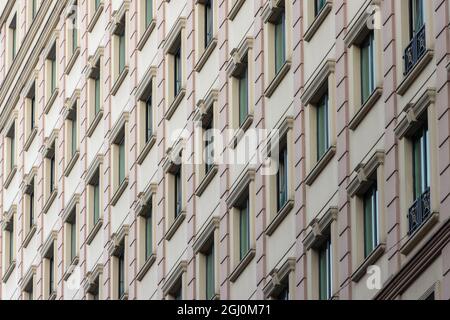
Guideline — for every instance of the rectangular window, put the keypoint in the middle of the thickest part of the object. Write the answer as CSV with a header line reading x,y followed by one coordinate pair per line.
x,y
96,202
284,293
11,137
367,67
178,192
318,6
210,281
177,71
11,243
148,119
52,173
74,132
122,51
97,95
209,142
243,96
421,162
280,42
97,4
73,239
370,220
53,75
148,233
121,274
416,16
208,22
244,229
148,12
121,160
13,31
323,141
282,178
325,271
32,112
33,8
31,206
51,274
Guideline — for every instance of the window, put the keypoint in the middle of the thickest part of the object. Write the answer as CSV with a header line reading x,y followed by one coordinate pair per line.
x,y
70,218
95,108
52,73
421,162
49,267
119,146
148,12
280,41
10,152
243,96
30,115
148,235
244,228
175,282
97,4
50,189
322,134
9,247
29,208
13,35
28,290
367,67
318,6
325,271
416,16
208,22
284,292
178,187
34,7
119,279
209,141
94,198
95,9
72,29
50,78
282,176
93,285
277,18
370,203
209,267
120,45
71,128
205,248
175,74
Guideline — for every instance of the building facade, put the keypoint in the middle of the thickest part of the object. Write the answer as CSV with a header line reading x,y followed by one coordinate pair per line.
x,y
325,126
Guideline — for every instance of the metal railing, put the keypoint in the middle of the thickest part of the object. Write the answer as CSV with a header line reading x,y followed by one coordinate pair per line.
x,y
419,212
415,50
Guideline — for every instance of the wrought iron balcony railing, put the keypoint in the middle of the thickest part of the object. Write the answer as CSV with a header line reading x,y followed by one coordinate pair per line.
x,y
415,50
419,212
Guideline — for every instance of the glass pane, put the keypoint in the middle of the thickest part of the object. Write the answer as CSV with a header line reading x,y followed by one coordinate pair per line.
x,y
367,68
31,209
32,113
282,178
323,287
73,241
177,72
148,119
97,95
148,235
148,12
244,230
319,4
52,174
11,246
74,37
210,286
368,223
51,275
74,136
13,152
417,167
96,204
243,96
122,161
121,275
53,76
416,16
208,22
280,43
322,127
178,193
121,53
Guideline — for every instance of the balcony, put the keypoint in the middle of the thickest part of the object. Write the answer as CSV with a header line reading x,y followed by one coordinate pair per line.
x,y
419,212
415,50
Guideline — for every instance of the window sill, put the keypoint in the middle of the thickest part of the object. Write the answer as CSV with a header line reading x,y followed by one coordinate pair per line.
x,y
320,166
174,105
71,268
50,200
318,20
30,139
71,163
419,235
50,101
147,265
10,177
277,79
119,192
124,296
175,225
241,132
95,17
9,271
72,60
119,81
93,233
29,236
206,180
242,265
148,31
148,146
90,131
235,9
205,55
370,260
365,109
278,219
52,296
415,72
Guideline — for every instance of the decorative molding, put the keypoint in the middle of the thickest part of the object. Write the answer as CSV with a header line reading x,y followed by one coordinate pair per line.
x,y
70,207
273,85
318,20
358,186
364,110
320,166
175,103
242,265
46,246
369,261
319,227
237,4
120,79
93,168
145,197
173,277
415,72
174,35
359,29
145,82
277,276
95,16
117,238
175,225
237,62
90,284
205,55
204,236
146,35
239,186
95,229
318,81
